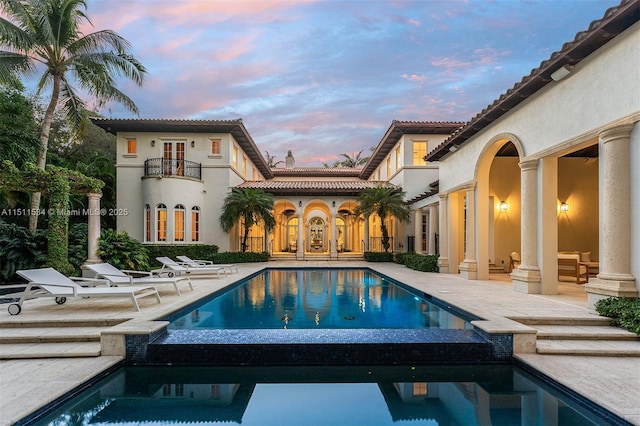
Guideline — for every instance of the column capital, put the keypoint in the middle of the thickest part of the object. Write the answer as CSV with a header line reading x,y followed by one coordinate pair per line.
x,y
470,186
528,165
616,133
94,195
443,195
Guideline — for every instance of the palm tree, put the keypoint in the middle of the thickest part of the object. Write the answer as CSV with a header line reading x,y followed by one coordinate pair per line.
x,y
353,160
384,201
271,161
249,206
47,33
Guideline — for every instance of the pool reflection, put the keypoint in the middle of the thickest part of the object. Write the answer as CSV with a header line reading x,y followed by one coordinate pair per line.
x,y
441,395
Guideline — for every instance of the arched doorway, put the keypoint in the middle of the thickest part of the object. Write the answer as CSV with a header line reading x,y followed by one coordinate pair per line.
x,y
317,235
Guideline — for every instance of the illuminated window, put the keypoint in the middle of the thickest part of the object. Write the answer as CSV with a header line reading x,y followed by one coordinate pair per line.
x,y
178,223
215,146
253,173
397,158
420,389
234,157
378,174
162,222
388,168
195,223
419,152
244,166
131,146
147,222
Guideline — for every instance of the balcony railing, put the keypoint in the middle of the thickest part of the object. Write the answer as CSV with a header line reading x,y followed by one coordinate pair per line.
x,y
172,167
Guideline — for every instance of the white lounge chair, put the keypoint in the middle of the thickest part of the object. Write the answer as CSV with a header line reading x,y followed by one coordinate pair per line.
x,y
116,276
191,263
47,282
169,264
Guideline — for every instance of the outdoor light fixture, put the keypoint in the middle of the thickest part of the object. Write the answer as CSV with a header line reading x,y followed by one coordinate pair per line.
x,y
333,203
504,206
561,72
153,143
299,203
193,144
564,207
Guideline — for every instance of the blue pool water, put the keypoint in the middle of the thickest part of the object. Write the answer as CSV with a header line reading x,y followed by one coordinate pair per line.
x,y
317,298
407,395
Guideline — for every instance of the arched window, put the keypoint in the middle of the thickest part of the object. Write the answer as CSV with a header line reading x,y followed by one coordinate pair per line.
x,y
195,223
162,222
147,223
178,223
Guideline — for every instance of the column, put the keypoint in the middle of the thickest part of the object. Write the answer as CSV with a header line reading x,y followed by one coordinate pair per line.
x,y
333,254
93,224
469,267
615,277
300,249
366,233
526,278
417,230
443,259
433,227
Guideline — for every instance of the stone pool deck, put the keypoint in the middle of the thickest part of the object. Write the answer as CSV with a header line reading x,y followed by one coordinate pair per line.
x,y
49,350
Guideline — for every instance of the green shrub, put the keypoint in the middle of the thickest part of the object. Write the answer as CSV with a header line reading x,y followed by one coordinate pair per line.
x,y
401,258
240,257
374,256
419,262
19,249
195,252
625,311
78,246
122,251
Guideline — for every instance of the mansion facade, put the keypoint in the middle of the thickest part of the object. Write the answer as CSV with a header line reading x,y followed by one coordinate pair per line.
x,y
550,166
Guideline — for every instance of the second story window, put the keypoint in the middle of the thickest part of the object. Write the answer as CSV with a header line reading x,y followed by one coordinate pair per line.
x,y
215,146
398,158
244,167
132,146
419,152
388,168
234,157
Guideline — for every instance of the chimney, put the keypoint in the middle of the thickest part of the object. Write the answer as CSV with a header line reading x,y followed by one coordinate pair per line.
x,y
289,161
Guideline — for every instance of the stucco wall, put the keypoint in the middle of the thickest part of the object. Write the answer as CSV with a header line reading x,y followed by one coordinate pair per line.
x,y
504,185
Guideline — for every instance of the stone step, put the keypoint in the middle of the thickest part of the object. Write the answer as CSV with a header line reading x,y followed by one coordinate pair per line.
x,y
90,322
49,350
588,348
591,320
50,334
584,332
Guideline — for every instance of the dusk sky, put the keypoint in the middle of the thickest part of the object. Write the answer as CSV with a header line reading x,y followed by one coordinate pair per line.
x,y
327,77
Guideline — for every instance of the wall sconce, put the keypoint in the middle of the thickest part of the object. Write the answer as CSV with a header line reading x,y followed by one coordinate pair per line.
x,y
153,143
504,206
299,203
564,207
193,144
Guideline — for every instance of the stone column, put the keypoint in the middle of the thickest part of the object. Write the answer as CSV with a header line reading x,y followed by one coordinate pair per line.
x,y
93,224
433,227
615,277
443,259
469,266
300,248
366,233
417,230
526,278
333,253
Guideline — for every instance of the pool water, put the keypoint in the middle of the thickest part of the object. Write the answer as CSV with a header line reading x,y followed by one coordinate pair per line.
x,y
317,298
407,395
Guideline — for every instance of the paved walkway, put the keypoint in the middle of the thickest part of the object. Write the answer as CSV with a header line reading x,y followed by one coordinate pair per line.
x,y
26,385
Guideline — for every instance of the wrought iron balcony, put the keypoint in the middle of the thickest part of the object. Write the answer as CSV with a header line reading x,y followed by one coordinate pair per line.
x,y
172,167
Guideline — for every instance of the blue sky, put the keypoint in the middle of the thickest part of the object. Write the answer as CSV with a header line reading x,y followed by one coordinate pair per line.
x,y
327,77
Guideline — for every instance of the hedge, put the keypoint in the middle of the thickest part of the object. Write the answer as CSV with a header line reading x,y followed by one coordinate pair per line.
x,y
374,256
196,252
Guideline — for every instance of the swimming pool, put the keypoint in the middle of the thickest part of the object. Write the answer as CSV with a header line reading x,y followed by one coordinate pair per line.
x,y
317,299
442,395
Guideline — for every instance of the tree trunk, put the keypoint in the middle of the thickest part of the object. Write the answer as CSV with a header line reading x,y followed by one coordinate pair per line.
x,y
44,142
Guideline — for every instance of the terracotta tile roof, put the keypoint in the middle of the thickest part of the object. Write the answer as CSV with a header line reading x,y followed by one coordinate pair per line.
x,y
317,171
395,132
307,187
616,19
